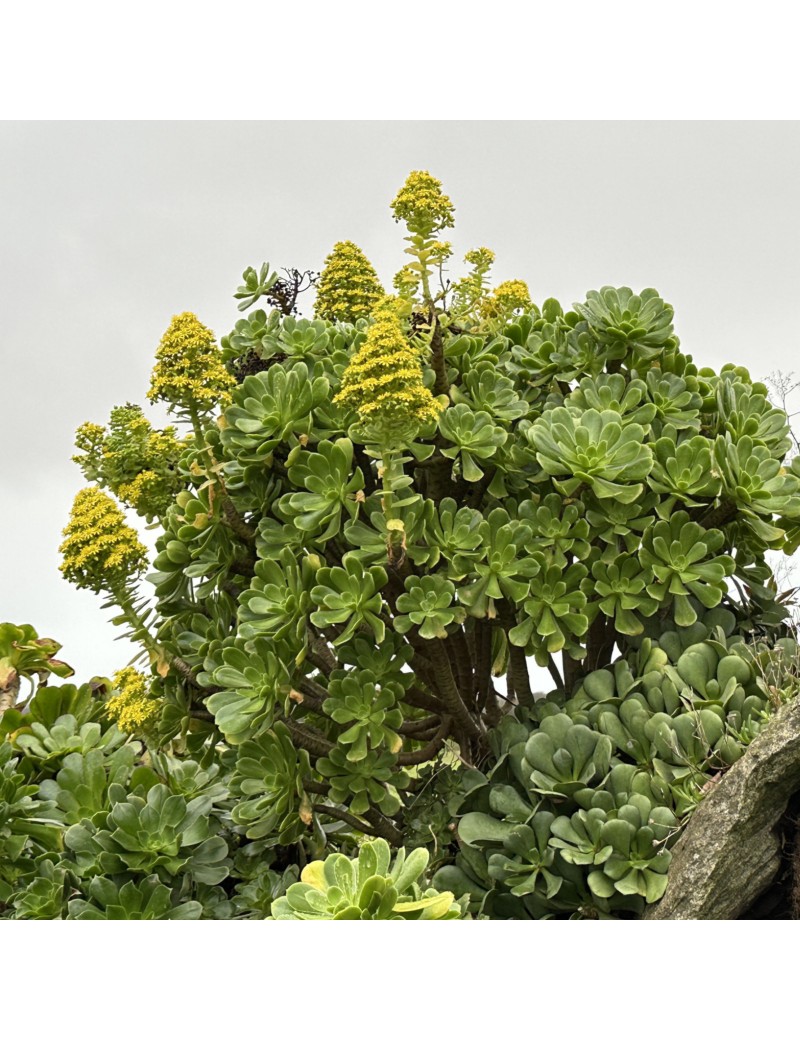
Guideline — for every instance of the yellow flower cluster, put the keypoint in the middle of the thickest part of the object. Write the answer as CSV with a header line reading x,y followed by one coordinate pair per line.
x,y
422,204
189,374
406,281
507,298
132,460
132,707
348,286
481,258
384,379
89,438
440,252
140,491
163,442
469,292
100,550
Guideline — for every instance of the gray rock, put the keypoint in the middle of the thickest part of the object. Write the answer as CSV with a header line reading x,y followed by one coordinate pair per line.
x,y
731,850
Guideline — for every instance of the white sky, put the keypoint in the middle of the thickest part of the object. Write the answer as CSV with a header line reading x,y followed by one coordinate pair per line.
x,y
108,229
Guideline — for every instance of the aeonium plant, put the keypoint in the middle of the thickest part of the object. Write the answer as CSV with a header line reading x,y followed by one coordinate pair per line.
x,y
375,524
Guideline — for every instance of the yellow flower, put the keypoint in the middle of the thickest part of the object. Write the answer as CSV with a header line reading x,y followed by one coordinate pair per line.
x,y
132,460
469,292
133,708
383,381
189,374
88,438
140,490
440,252
406,282
100,550
507,298
422,204
481,258
348,286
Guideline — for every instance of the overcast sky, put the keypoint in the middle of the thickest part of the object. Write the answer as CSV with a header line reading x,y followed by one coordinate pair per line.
x,y
108,229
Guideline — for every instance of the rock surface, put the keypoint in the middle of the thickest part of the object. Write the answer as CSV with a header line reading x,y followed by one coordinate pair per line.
x,y
731,851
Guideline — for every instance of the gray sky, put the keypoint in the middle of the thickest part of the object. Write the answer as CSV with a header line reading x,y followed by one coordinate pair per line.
x,y
108,229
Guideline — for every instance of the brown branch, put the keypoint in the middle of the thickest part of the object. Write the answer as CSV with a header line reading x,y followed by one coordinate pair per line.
x,y
232,590
245,566
456,667
461,655
432,461
312,689
320,654
483,664
185,669
554,672
384,828
419,698
429,751
719,516
422,662
418,725
492,710
346,817
573,672
439,478
600,643
518,675
478,489
234,520
308,738
441,383
448,691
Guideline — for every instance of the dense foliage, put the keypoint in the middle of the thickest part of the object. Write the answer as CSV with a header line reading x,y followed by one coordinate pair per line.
x,y
372,524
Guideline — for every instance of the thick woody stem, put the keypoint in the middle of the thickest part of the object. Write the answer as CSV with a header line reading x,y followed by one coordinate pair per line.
x,y
519,676
720,516
234,520
600,643
346,817
308,739
320,653
185,670
441,383
555,674
438,477
383,827
448,691
483,664
418,725
573,671
431,750
419,698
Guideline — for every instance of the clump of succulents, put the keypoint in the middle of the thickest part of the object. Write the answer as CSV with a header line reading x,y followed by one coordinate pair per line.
x,y
371,523
587,792
367,888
